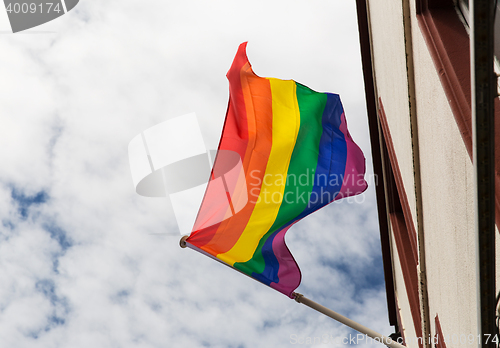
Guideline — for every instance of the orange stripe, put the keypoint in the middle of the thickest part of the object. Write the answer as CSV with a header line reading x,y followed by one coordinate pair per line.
x,y
258,104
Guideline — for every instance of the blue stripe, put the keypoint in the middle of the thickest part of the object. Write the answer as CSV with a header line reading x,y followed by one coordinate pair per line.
x,y
332,157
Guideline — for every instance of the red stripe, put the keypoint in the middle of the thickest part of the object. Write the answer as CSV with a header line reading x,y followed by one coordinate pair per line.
x,y
236,124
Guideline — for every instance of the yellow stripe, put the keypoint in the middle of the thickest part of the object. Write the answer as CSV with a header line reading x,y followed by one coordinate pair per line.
x,y
286,123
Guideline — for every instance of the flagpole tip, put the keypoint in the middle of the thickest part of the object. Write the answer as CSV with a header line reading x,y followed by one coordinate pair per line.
x,y
183,242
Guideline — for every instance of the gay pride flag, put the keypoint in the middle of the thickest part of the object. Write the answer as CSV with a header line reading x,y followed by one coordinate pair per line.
x,y
297,156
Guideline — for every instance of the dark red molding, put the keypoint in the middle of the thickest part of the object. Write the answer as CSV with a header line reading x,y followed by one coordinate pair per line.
x,y
438,337
399,181
401,221
449,45
409,268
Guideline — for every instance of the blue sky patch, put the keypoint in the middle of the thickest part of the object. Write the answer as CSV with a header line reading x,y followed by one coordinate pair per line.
x,y
24,202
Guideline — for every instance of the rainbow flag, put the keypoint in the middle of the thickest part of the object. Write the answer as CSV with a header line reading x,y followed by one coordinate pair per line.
x,y
296,157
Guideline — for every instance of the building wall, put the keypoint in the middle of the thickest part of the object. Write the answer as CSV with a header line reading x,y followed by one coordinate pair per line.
x,y
447,200
390,75
389,60
446,170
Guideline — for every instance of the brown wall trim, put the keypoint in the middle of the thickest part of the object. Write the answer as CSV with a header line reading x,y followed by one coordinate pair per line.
x,y
438,337
364,39
399,180
449,46
409,268
401,222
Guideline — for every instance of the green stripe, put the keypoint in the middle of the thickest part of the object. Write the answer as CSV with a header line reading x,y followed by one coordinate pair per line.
x,y
300,178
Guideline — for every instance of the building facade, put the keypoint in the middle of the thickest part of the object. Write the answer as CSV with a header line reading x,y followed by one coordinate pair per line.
x,y
416,64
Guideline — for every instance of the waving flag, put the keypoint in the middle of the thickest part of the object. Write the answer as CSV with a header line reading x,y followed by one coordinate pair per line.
x,y
297,156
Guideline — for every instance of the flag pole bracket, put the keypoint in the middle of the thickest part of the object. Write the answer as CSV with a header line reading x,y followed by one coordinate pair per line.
x,y
182,242
297,297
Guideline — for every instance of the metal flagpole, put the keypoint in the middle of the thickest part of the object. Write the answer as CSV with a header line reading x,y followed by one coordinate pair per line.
x,y
304,300
346,321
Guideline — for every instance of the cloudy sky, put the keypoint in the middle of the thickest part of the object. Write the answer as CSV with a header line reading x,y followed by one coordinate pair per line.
x,y
84,260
